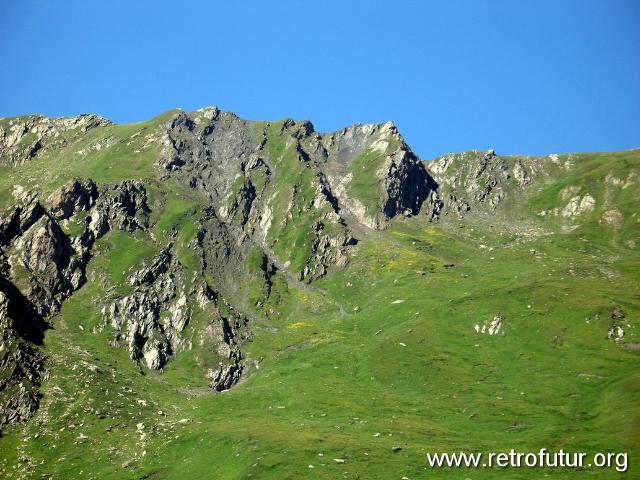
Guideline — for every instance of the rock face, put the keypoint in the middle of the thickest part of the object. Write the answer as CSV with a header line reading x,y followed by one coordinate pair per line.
x,y
225,333
51,264
135,318
46,251
21,328
41,256
20,218
121,206
400,182
41,266
71,198
243,167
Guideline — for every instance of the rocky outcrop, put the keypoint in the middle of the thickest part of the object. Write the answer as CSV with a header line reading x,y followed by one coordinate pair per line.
x,y
41,266
71,198
149,320
405,184
20,362
574,206
238,165
121,206
22,138
45,254
41,256
478,182
49,264
616,329
494,327
327,250
400,183
225,376
224,334
21,217
207,149
578,206
476,179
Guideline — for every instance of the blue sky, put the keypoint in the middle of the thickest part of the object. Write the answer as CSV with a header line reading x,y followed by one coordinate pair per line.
x,y
519,76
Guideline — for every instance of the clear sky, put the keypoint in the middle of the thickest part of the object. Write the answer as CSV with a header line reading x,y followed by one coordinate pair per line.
x,y
519,76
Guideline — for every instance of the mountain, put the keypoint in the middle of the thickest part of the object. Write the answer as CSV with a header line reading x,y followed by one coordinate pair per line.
x,y
203,295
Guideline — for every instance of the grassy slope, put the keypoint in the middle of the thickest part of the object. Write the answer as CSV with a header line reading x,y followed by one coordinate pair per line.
x,y
365,184
552,381
292,193
127,156
331,377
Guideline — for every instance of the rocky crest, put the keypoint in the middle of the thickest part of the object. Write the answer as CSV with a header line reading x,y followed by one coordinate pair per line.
x,y
479,181
21,139
239,166
401,182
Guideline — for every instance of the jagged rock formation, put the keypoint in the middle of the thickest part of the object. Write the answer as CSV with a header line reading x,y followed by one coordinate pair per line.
x,y
499,189
480,181
41,256
21,217
71,198
270,198
241,166
399,185
225,333
48,263
121,206
41,266
136,318
21,328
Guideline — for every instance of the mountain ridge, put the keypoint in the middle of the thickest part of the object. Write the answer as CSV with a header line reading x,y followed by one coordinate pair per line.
x,y
182,241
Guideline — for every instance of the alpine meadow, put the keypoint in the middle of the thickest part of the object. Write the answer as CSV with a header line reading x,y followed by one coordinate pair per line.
x,y
203,296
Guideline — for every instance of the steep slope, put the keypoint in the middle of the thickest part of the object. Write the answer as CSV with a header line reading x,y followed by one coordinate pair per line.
x,y
260,195
339,284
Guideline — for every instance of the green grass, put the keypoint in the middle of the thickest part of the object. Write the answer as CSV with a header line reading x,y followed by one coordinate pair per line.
x,y
365,184
77,225
552,381
589,176
256,265
124,154
336,362
119,254
292,189
177,210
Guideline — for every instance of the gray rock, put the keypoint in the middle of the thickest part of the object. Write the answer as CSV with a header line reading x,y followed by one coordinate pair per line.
x,y
21,217
31,135
71,198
